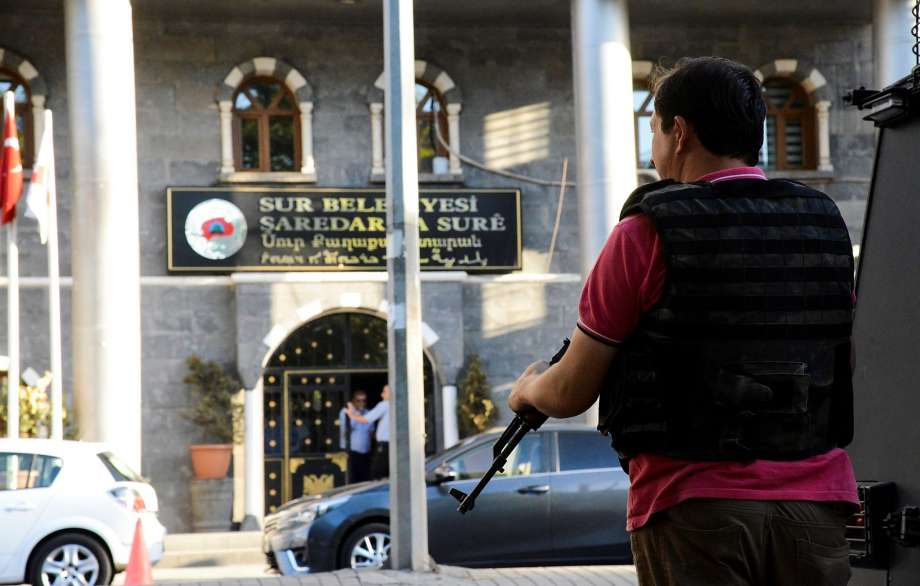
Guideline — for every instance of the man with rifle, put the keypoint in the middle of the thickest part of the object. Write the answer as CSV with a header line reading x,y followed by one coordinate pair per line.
x,y
715,329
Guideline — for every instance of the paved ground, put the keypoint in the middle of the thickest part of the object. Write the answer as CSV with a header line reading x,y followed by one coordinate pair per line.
x,y
211,574
442,576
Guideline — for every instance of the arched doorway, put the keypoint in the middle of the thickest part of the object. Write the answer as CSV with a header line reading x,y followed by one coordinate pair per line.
x,y
306,383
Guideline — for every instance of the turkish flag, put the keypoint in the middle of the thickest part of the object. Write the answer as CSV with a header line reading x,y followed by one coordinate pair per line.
x,y
10,163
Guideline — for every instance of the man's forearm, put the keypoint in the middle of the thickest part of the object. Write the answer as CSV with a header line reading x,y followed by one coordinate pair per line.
x,y
358,418
568,387
551,395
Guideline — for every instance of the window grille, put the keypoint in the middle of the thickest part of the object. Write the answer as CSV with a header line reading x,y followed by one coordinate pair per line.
x,y
789,141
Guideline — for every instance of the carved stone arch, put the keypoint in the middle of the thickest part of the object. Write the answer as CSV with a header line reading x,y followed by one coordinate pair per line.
x,y
38,89
269,67
427,72
440,80
316,310
811,80
295,81
281,408
642,69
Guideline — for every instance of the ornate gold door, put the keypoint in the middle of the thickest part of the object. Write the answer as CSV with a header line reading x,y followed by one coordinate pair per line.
x,y
307,381
315,460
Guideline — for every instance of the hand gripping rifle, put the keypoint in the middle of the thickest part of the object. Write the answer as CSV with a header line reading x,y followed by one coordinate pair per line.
x,y
530,420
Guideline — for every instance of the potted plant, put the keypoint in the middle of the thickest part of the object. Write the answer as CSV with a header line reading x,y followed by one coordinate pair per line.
x,y
215,413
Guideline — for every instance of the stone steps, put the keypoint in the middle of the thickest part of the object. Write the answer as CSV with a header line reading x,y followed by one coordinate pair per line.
x,y
190,550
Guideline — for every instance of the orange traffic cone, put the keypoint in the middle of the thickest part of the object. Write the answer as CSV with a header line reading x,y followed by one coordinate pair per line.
x,y
139,571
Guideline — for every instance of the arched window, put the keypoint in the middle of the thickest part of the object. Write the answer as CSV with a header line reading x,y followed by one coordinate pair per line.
x,y
430,114
797,130
266,127
789,141
13,82
438,103
266,123
643,107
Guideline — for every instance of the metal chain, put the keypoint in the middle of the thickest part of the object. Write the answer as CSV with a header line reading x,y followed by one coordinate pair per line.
x,y
915,30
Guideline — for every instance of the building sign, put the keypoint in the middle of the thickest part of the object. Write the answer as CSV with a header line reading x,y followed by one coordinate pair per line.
x,y
228,229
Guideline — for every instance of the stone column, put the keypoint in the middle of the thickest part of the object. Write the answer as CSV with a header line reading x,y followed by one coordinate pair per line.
x,y
308,165
892,20
104,226
38,122
408,503
604,126
824,138
254,459
453,128
377,139
226,136
449,406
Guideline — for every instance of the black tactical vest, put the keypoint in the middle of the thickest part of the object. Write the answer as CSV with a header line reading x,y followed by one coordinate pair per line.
x,y
747,353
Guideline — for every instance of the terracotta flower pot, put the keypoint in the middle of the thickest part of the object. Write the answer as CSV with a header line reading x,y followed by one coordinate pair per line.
x,y
210,460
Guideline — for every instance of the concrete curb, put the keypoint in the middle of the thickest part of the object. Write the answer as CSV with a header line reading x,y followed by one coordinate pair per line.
x,y
450,576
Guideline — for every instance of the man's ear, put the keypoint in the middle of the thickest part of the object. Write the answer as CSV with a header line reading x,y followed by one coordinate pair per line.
x,y
683,132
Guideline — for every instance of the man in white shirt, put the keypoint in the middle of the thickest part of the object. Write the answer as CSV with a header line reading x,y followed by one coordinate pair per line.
x,y
380,461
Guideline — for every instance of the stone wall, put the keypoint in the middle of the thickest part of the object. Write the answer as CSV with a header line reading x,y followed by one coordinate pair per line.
x,y
843,53
178,322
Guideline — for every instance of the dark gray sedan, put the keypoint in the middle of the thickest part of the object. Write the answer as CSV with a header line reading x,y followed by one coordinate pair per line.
x,y
561,500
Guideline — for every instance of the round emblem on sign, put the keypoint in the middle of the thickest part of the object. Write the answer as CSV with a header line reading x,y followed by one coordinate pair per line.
x,y
215,229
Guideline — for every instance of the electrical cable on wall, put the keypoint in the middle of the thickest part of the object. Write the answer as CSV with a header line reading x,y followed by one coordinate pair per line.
x,y
552,242
487,169
562,185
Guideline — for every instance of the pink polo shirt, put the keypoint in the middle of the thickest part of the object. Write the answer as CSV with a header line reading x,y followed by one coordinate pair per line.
x,y
627,280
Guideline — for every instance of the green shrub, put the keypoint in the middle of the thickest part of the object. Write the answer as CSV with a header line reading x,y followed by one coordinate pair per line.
x,y
476,410
214,409
34,410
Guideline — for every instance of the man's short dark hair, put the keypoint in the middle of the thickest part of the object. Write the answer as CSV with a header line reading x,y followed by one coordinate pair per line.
x,y
721,99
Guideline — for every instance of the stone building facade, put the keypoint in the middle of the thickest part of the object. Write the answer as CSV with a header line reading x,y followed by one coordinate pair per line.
x,y
501,68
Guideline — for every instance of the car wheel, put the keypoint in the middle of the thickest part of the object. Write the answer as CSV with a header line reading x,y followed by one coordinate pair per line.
x,y
71,558
367,548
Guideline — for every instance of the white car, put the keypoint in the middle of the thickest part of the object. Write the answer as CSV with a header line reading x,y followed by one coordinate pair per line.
x,y
68,512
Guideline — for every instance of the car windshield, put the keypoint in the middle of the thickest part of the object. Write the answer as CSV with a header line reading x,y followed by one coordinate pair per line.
x,y
119,468
451,452
527,458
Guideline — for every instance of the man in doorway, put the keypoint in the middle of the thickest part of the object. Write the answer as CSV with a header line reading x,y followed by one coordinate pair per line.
x,y
380,461
715,329
355,438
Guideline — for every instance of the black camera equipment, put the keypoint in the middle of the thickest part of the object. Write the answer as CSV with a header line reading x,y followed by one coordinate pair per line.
x,y
522,423
882,402
903,526
898,102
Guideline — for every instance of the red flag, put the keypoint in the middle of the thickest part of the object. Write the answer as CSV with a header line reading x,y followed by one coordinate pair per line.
x,y
11,163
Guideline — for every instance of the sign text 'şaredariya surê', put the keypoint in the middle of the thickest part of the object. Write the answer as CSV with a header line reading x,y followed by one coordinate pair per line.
x,y
214,229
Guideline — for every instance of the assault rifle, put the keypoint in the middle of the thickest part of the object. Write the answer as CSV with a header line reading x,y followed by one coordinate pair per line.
x,y
530,420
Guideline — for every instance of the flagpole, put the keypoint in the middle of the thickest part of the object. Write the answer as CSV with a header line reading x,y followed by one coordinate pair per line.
x,y
12,332
54,294
12,307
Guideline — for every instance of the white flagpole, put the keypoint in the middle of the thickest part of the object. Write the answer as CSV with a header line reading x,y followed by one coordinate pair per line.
x,y
54,293
12,307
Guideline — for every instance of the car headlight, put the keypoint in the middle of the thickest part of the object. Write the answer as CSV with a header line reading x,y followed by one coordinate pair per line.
x,y
311,512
